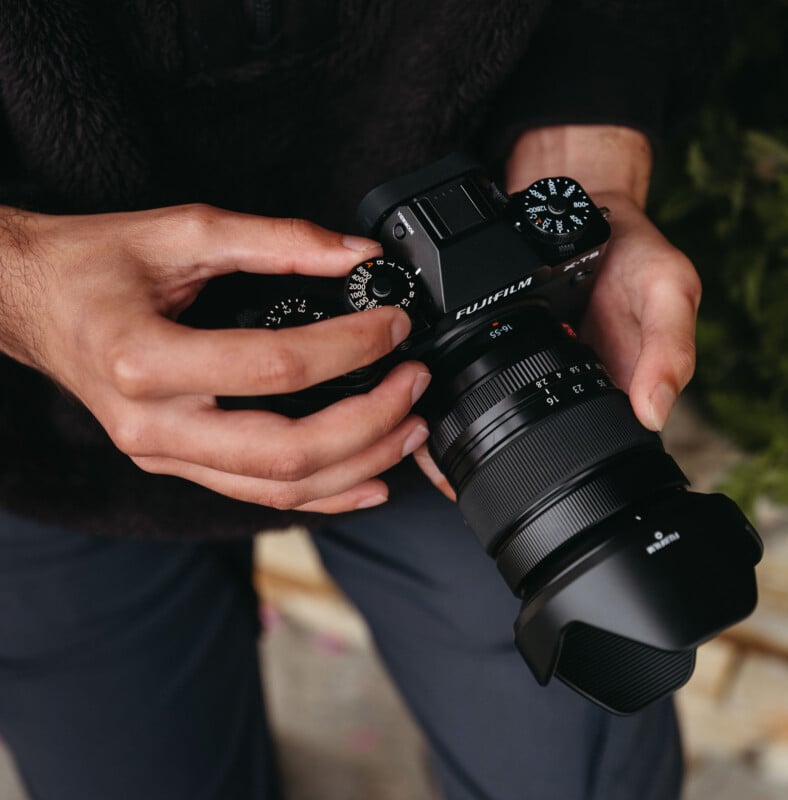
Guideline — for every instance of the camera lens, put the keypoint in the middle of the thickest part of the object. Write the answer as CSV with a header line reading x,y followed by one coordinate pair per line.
x,y
538,442
545,453
622,573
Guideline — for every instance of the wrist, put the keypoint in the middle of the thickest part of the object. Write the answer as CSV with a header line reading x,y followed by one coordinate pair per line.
x,y
605,159
19,282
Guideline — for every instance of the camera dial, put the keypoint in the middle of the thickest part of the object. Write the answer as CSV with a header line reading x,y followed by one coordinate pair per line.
x,y
293,311
381,282
556,209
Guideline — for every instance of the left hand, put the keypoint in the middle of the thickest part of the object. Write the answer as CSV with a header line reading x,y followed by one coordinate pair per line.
x,y
642,314
641,318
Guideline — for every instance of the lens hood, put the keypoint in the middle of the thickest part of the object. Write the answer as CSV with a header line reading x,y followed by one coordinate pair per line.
x,y
620,621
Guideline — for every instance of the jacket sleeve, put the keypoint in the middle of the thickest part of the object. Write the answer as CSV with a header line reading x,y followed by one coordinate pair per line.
x,y
13,191
644,64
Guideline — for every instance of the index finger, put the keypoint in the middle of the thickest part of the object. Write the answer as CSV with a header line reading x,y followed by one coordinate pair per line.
x,y
162,358
211,241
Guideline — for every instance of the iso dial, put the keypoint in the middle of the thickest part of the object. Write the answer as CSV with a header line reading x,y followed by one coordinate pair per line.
x,y
557,209
381,282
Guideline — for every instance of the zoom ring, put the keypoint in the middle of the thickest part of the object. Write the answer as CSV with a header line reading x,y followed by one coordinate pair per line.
x,y
486,394
545,456
606,493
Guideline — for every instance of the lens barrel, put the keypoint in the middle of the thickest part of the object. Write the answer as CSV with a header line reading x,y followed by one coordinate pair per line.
x,y
536,439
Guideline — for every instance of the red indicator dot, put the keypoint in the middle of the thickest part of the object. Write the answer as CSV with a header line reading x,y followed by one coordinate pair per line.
x,y
496,324
569,330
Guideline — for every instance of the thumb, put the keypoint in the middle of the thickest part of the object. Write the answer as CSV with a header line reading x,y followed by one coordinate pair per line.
x,y
667,352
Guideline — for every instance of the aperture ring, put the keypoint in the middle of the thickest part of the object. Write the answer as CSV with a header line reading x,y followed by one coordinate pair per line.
x,y
609,491
543,457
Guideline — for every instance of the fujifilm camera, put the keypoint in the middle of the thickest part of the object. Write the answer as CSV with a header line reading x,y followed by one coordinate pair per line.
x,y
622,572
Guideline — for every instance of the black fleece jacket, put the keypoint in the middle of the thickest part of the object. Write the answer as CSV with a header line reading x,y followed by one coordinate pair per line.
x,y
142,103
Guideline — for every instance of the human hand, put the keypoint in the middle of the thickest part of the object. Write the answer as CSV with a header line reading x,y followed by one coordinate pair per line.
x,y
642,313
91,301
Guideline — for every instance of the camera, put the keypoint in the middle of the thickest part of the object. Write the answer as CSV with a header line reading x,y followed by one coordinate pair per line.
x,y
622,571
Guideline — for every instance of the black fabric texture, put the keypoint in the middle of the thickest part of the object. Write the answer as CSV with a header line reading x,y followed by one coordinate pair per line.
x,y
106,107
643,65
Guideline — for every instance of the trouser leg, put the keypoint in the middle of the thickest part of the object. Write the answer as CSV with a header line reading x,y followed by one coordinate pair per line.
x,y
128,669
442,620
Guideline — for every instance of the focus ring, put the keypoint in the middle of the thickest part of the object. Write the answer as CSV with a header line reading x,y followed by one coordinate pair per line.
x,y
544,456
608,492
489,392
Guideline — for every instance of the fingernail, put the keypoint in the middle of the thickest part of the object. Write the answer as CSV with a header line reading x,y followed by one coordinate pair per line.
x,y
359,243
371,501
661,400
420,386
400,328
429,468
416,439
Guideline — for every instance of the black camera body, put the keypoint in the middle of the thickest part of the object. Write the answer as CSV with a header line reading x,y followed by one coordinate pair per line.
x,y
474,248
622,572
457,250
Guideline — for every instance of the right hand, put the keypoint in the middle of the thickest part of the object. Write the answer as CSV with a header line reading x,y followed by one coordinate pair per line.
x,y
91,302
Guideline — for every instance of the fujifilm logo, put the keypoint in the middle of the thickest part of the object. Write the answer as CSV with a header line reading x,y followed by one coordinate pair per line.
x,y
494,298
662,540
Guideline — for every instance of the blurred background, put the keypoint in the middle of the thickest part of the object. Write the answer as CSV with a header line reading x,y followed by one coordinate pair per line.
x,y
721,195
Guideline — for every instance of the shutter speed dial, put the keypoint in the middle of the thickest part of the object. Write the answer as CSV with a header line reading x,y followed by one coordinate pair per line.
x,y
557,209
381,282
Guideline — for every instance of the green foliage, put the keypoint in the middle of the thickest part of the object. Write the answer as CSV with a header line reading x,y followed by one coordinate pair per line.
x,y
722,196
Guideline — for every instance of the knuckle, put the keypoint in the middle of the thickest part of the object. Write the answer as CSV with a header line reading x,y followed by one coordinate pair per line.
x,y
129,372
148,236
154,466
129,434
298,231
688,276
681,273
278,369
389,418
285,498
196,220
694,288
290,466
199,214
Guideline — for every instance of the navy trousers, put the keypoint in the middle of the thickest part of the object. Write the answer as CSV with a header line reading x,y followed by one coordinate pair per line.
x,y
128,669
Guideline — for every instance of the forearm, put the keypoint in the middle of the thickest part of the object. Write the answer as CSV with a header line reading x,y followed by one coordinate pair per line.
x,y
605,159
20,275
